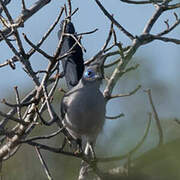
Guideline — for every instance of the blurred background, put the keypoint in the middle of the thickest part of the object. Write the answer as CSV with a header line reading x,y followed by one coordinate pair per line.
x,y
158,70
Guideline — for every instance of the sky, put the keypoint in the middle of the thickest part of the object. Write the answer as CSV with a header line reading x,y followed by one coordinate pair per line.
x,y
89,17
163,57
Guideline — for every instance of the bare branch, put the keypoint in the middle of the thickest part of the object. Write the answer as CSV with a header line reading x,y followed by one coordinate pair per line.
x,y
113,63
37,48
76,40
169,29
118,158
111,18
48,174
125,95
119,70
173,6
58,49
132,68
18,103
25,16
6,12
25,62
13,118
42,137
5,2
89,32
165,39
14,110
153,19
141,2
31,52
108,38
70,8
23,5
115,117
10,62
54,150
156,117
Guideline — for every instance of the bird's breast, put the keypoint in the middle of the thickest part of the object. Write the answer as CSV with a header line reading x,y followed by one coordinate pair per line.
x,y
86,112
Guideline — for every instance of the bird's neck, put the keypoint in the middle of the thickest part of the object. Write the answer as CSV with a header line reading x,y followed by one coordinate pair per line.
x,y
92,85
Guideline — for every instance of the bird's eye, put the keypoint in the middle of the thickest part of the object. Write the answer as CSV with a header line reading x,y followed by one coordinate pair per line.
x,y
89,73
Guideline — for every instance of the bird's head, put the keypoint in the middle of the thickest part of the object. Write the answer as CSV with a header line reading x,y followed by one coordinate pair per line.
x,y
92,74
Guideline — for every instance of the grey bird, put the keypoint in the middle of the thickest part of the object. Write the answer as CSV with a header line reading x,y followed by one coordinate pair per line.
x,y
83,108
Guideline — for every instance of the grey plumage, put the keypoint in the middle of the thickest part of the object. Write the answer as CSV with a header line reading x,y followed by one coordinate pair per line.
x,y
83,107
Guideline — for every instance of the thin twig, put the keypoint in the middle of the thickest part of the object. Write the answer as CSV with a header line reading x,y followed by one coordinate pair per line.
x,y
141,2
153,19
89,32
42,137
111,64
76,40
6,2
61,39
156,117
107,14
169,29
35,47
118,158
69,8
173,6
128,94
23,5
51,112
24,61
165,39
14,110
13,118
10,62
19,22
108,38
115,117
74,12
54,150
18,103
31,52
45,167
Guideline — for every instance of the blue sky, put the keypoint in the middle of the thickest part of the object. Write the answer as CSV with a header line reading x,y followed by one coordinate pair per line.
x,y
164,57
89,17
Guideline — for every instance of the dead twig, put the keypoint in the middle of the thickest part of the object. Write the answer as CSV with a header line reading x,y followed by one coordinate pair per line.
x,y
115,117
156,117
111,18
118,158
45,167
125,95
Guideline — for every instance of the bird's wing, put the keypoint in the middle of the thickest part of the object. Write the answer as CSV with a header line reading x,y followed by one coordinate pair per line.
x,y
63,108
73,64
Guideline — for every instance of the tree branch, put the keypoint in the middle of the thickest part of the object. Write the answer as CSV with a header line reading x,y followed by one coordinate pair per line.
x,y
111,18
24,16
118,158
156,117
45,167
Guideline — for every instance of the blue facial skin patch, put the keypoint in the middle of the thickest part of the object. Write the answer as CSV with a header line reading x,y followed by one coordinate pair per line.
x,y
89,74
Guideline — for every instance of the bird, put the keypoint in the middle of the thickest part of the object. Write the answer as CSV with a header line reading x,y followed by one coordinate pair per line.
x,y
83,108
